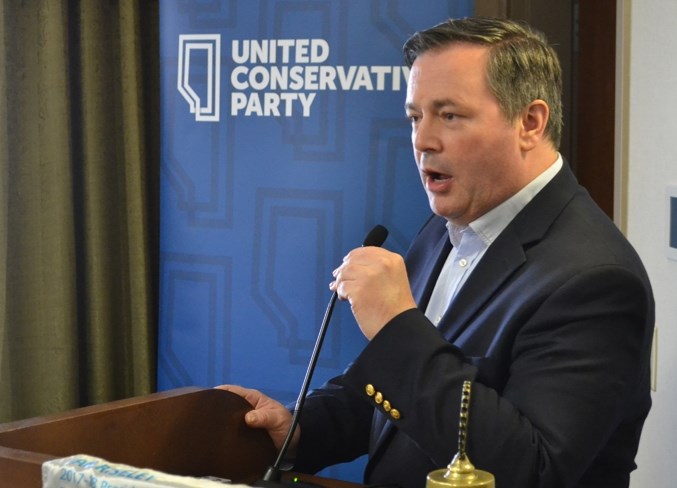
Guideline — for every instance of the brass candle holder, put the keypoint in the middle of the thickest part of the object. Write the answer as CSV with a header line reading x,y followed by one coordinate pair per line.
x,y
461,472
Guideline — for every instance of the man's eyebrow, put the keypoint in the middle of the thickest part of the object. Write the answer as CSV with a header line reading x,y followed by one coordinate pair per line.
x,y
437,104
446,102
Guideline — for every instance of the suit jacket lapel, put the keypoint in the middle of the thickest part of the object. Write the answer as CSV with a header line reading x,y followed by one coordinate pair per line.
x,y
506,254
422,288
494,268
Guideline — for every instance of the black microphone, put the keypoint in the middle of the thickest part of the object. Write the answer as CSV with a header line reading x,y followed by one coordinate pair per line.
x,y
376,237
271,478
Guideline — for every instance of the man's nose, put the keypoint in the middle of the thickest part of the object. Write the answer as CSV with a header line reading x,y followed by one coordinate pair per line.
x,y
425,137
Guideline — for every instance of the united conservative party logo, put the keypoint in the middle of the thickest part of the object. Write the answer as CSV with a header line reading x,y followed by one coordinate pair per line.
x,y
270,77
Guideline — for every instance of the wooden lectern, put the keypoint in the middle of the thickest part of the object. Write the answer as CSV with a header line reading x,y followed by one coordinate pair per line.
x,y
188,431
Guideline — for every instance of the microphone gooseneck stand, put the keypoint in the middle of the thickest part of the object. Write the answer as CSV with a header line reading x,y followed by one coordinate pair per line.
x,y
273,474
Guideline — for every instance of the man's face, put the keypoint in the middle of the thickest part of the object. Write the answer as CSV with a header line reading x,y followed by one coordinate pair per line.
x,y
466,151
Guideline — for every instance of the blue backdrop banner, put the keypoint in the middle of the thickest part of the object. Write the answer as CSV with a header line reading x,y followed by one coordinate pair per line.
x,y
284,141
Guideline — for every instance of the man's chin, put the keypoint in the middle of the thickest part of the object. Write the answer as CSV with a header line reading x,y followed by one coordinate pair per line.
x,y
440,211
445,212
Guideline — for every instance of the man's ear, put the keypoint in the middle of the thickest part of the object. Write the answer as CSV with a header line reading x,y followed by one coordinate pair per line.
x,y
533,120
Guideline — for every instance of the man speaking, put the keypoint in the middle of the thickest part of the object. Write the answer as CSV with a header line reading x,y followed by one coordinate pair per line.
x,y
518,283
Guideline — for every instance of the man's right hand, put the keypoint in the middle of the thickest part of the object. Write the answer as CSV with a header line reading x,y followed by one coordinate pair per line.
x,y
268,414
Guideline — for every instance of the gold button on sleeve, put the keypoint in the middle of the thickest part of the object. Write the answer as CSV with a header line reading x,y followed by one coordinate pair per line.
x,y
395,414
379,397
386,406
370,390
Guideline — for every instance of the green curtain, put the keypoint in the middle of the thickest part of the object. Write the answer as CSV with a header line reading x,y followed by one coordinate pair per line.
x,y
79,155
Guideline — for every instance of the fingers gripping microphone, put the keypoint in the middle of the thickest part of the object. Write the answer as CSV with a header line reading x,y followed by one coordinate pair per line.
x,y
271,478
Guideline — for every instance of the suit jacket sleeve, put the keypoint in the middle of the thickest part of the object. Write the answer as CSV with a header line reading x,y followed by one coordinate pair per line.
x,y
335,426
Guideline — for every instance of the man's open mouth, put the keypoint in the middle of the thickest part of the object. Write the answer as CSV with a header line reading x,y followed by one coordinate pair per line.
x,y
435,176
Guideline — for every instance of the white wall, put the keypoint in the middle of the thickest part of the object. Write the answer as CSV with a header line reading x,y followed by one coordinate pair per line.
x,y
651,164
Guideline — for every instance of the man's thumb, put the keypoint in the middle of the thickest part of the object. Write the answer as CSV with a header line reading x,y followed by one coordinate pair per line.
x,y
252,418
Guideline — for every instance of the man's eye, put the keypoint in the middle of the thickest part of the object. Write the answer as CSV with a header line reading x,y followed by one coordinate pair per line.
x,y
448,116
413,118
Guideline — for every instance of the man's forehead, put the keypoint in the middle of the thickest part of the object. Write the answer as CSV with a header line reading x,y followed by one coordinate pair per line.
x,y
449,73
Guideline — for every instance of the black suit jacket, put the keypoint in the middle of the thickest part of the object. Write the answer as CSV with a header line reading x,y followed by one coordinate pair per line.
x,y
554,328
